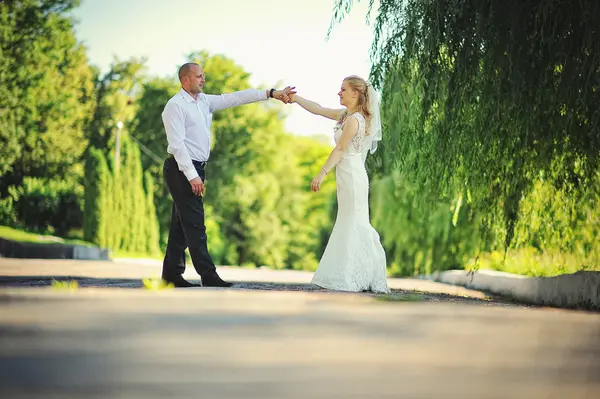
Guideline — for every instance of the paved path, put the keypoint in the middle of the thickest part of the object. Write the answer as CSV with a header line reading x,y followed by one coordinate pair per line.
x,y
263,339
129,274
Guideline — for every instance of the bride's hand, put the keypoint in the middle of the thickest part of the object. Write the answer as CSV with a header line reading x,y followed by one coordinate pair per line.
x,y
284,95
316,182
290,91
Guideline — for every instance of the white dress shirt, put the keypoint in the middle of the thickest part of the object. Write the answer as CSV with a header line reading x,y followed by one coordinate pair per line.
x,y
187,123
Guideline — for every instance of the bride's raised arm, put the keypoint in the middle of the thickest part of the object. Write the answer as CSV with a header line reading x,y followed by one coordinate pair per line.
x,y
315,108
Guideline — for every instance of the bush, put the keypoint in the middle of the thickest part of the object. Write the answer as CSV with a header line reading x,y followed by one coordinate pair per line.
x,y
96,178
7,212
41,204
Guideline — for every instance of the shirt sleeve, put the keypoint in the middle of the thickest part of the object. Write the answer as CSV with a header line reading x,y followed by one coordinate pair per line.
x,y
224,101
174,121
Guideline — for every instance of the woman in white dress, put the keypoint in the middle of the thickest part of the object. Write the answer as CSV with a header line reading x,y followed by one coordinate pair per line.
x,y
354,259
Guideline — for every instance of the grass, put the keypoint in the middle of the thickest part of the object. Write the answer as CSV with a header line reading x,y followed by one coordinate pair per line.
x,y
64,285
156,284
13,234
534,263
401,298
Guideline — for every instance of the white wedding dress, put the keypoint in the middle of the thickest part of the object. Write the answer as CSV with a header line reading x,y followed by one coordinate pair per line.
x,y
354,259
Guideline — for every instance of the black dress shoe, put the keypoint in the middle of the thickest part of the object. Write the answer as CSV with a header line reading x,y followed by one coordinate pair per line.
x,y
179,282
213,280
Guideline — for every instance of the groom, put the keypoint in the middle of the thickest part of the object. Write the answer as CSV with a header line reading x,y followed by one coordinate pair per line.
x,y
187,118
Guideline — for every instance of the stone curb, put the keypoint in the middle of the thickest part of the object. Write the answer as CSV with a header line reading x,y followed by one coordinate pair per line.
x,y
578,290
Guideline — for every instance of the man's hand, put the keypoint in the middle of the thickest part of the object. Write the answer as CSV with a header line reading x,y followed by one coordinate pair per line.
x,y
284,95
197,186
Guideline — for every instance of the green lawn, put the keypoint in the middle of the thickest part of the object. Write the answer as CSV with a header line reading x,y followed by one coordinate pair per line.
x,y
10,233
13,234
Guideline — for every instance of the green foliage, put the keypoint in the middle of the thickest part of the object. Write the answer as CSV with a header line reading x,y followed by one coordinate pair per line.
x,y
420,239
96,197
410,297
258,207
148,129
315,212
19,235
7,212
259,176
43,204
217,245
156,284
119,210
151,227
45,94
84,150
69,285
45,102
558,231
147,122
529,261
115,101
493,104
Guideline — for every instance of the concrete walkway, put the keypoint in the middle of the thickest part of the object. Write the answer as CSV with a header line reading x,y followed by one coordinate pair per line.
x,y
129,273
266,339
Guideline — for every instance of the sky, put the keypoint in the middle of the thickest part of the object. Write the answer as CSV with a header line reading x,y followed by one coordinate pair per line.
x,y
277,41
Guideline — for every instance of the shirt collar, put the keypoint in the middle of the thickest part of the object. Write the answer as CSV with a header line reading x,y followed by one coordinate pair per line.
x,y
187,97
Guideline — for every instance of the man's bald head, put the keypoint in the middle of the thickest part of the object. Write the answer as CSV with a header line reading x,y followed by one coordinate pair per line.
x,y
191,76
186,68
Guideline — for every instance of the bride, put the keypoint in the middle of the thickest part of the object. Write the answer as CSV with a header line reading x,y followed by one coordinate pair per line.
x,y
354,259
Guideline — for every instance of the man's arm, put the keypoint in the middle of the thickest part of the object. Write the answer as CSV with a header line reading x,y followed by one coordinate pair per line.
x,y
224,101
174,120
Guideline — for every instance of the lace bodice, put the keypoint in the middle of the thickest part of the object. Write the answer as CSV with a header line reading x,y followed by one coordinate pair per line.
x,y
358,142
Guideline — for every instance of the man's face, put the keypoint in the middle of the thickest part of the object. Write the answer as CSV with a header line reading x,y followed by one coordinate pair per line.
x,y
195,79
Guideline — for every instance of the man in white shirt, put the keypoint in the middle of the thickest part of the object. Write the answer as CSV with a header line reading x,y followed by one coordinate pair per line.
x,y
187,118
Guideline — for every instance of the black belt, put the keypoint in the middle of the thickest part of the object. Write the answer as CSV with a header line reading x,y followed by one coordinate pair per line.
x,y
198,164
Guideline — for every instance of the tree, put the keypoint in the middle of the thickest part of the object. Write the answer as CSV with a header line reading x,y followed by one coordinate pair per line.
x,y
489,104
259,209
119,209
312,222
116,94
46,94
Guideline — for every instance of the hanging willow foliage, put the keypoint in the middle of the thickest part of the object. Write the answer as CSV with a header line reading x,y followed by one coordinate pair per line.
x,y
486,96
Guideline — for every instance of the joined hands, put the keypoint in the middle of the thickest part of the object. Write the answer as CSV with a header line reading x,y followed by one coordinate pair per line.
x,y
285,95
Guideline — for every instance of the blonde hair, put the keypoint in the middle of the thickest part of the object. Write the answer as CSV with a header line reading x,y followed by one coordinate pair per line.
x,y
362,87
